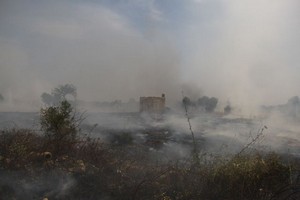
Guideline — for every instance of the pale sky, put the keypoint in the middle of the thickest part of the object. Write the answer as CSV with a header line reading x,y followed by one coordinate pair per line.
x,y
242,51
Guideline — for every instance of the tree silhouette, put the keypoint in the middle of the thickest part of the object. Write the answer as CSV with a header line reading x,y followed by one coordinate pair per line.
x,y
59,94
1,98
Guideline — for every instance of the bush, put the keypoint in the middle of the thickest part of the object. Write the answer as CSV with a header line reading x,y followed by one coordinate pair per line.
x,y
16,147
60,126
95,170
255,177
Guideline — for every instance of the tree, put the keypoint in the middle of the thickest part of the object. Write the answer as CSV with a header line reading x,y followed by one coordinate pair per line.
x,y
59,126
1,98
47,98
209,104
203,101
294,101
186,102
59,94
227,110
62,91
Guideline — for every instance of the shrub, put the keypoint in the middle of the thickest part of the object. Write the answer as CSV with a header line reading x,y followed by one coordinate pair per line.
x,y
16,147
60,126
95,170
253,176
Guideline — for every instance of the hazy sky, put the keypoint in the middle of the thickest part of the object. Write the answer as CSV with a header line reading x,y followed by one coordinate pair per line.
x,y
244,51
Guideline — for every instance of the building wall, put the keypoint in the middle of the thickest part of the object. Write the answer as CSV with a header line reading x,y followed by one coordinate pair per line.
x,y
155,105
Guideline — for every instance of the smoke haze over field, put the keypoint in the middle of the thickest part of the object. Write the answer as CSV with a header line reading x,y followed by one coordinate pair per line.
x,y
245,52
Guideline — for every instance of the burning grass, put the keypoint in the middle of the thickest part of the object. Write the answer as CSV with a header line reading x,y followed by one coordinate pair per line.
x,y
91,169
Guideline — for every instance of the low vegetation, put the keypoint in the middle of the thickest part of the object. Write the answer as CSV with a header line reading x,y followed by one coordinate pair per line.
x,y
59,164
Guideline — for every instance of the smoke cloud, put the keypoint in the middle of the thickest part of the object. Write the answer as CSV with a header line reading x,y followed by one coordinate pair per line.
x,y
244,52
89,45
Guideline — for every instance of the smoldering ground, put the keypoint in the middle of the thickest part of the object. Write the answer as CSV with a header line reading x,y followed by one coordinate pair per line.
x,y
273,129
215,133
162,141
53,184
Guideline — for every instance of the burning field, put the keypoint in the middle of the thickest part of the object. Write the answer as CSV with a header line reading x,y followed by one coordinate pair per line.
x,y
150,100
136,156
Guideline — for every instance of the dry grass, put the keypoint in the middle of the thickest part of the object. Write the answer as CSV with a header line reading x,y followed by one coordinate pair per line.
x,y
94,170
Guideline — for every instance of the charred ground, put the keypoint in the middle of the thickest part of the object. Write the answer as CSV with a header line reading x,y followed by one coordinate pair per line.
x,y
143,160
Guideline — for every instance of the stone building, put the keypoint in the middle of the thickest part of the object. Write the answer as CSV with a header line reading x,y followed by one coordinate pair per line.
x,y
152,105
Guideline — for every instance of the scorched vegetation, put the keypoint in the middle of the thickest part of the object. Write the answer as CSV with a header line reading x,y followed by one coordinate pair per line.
x,y
61,164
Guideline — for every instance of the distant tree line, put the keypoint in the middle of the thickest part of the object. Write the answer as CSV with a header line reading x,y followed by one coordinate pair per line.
x,y
205,103
208,104
291,109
